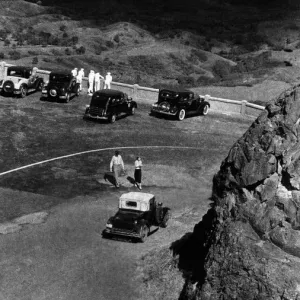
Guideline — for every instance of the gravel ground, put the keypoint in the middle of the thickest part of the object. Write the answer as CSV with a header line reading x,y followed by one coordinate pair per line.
x,y
64,256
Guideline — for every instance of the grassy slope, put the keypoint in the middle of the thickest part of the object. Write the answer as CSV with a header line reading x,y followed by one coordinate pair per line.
x,y
157,44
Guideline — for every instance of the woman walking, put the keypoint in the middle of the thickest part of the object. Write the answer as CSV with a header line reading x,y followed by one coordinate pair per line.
x,y
138,172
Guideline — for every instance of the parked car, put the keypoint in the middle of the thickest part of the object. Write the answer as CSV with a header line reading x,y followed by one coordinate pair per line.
x,y
179,103
61,86
137,213
109,104
20,80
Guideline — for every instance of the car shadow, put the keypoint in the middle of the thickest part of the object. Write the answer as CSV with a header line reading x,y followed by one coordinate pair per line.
x,y
153,231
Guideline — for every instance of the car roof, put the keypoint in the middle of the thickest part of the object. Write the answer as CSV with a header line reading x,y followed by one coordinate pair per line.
x,y
176,89
19,68
109,92
137,196
66,73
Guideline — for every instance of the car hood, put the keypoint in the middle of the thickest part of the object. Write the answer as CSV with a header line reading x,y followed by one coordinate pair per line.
x,y
125,219
57,84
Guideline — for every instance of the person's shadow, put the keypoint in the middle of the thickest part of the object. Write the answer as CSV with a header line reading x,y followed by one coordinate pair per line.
x,y
110,177
131,180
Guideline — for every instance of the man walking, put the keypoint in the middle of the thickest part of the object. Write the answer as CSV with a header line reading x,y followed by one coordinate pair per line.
x,y
74,72
116,166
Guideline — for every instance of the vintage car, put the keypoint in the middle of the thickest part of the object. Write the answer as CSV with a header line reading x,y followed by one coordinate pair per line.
x,y
20,80
108,105
137,213
179,103
61,86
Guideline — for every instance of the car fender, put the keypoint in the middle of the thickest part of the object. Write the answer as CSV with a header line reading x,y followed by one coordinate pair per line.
x,y
19,83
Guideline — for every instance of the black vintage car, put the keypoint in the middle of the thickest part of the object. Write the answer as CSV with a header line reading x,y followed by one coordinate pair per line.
x,y
61,86
108,105
20,81
179,103
137,213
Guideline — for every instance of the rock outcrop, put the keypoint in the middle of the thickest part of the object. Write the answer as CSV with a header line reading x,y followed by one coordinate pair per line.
x,y
248,244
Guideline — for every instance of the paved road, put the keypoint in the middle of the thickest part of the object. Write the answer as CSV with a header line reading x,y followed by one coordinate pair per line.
x,y
65,257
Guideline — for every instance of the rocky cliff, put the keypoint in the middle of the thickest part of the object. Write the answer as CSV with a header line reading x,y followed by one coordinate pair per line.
x,y
247,246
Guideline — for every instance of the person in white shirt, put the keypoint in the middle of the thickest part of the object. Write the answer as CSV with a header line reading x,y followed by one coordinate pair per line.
x,y
79,78
97,81
138,172
116,166
74,72
91,79
108,80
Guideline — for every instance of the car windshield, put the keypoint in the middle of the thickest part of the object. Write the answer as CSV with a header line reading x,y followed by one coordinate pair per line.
x,y
129,212
100,100
60,77
18,73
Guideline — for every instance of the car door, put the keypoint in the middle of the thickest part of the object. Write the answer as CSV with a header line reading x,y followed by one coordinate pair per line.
x,y
195,102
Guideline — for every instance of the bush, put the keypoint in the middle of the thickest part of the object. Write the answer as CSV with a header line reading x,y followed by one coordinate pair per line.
x,y
35,60
222,69
32,53
117,38
2,55
67,51
80,50
109,44
14,55
200,55
6,42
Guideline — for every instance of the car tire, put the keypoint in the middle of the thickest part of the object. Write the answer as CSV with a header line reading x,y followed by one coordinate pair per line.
x,y
205,110
8,87
165,220
77,92
23,90
113,118
132,110
144,232
181,114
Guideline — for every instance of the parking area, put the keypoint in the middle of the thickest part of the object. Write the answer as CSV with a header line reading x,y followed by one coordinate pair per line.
x,y
65,257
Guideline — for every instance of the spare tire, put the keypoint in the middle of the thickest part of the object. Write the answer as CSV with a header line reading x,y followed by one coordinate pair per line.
x,y
53,92
8,86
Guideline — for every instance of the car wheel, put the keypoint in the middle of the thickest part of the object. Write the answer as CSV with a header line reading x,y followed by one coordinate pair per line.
x,y
23,90
144,233
165,220
8,86
113,118
77,92
205,110
132,111
181,114
67,98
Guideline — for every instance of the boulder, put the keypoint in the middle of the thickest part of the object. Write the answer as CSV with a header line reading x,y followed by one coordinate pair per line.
x,y
247,246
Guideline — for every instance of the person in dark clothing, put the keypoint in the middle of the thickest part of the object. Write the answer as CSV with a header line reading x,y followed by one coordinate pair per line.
x,y
138,172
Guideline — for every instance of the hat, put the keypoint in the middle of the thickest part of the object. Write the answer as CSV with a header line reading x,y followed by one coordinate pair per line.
x,y
108,73
75,69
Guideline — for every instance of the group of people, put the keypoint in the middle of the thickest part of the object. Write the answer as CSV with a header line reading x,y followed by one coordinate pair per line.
x,y
117,166
94,80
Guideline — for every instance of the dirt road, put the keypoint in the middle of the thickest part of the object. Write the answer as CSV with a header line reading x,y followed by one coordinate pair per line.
x,y
65,257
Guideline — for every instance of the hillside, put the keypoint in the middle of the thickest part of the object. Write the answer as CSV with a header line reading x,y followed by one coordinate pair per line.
x,y
189,44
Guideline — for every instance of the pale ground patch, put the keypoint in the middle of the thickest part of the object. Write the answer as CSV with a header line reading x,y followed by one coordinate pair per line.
x,y
16,224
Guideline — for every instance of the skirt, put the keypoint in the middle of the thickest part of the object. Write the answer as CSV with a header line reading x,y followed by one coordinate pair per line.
x,y
138,175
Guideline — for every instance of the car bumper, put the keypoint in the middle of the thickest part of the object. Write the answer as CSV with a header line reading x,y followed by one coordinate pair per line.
x,y
119,232
157,111
96,117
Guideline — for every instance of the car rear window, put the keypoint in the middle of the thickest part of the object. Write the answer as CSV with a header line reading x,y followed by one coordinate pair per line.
x,y
131,204
60,78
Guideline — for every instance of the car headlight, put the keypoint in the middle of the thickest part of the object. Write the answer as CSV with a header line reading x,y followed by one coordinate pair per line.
x,y
87,106
108,225
154,105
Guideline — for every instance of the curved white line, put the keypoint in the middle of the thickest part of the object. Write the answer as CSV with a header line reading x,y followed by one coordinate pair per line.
x,y
90,151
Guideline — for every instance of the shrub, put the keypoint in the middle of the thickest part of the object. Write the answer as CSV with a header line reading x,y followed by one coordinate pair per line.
x,y
35,60
221,68
200,55
109,44
117,38
80,50
67,51
55,52
6,42
31,53
2,55
62,27
15,55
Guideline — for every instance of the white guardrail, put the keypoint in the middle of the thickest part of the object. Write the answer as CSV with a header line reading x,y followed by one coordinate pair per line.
x,y
149,95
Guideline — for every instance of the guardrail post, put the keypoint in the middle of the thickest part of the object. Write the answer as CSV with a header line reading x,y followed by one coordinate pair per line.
x,y
135,92
2,70
243,107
